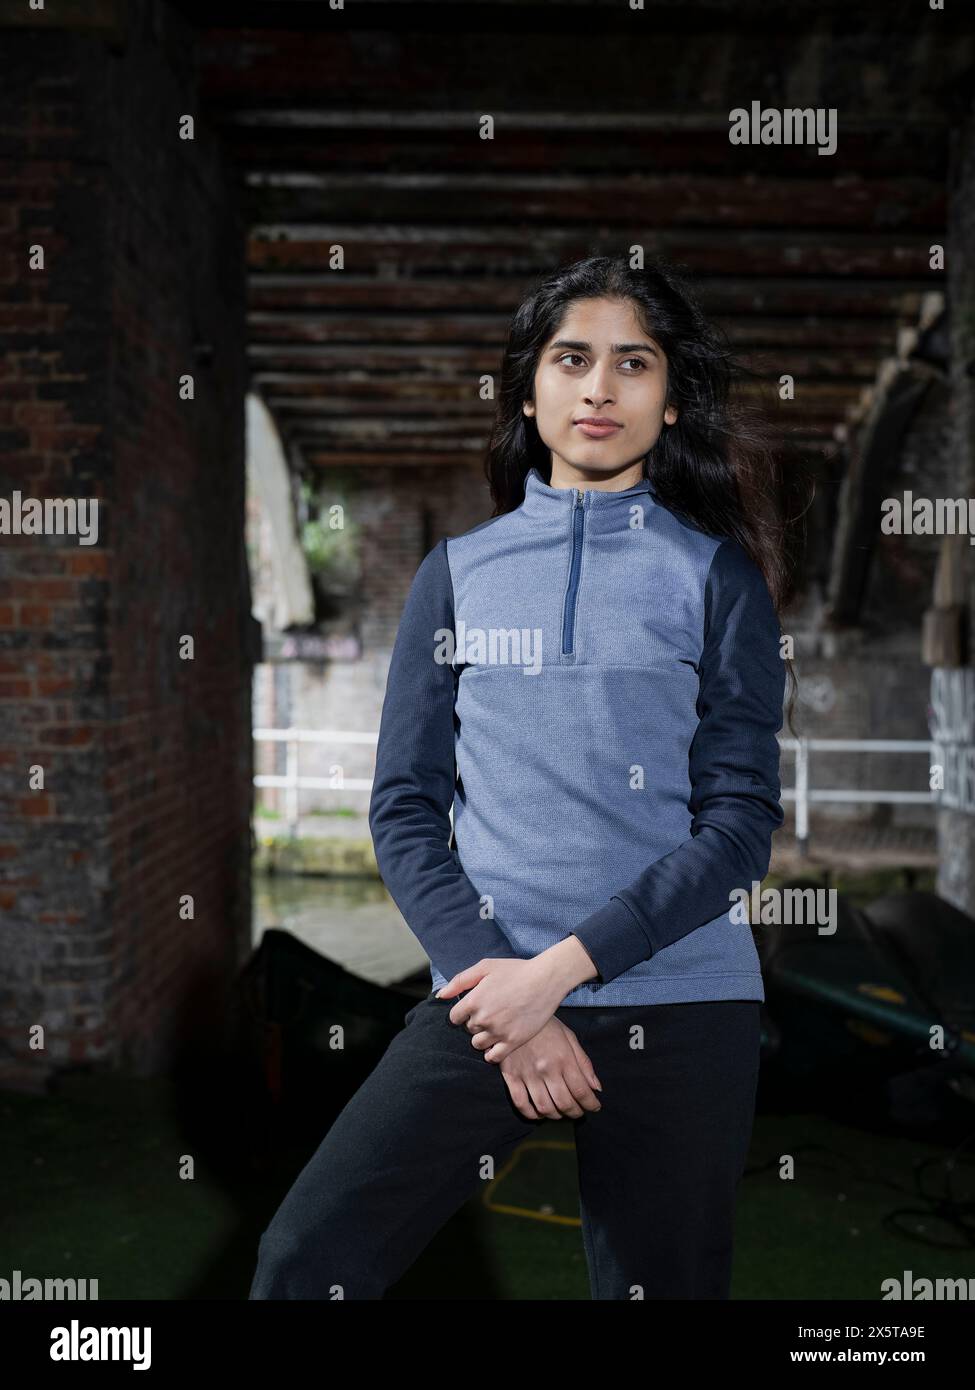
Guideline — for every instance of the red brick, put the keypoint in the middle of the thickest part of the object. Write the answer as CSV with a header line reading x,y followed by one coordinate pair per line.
x,y
53,733
65,437
28,318
39,412
56,589
91,562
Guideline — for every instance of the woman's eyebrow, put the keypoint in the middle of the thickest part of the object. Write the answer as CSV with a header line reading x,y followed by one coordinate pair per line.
x,y
614,347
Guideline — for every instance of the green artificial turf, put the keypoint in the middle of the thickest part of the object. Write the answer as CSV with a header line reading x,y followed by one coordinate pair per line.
x,y
92,1187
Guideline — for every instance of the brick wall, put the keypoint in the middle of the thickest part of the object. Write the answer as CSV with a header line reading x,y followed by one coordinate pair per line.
x,y
403,513
146,757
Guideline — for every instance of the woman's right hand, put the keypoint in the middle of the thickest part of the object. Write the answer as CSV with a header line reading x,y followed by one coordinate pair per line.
x,y
550,1075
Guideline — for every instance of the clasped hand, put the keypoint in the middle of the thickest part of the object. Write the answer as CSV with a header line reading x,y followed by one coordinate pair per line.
x,y
551,1075
507,1001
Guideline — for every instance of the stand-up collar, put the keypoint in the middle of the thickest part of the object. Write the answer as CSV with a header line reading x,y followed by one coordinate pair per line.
x,y
544,502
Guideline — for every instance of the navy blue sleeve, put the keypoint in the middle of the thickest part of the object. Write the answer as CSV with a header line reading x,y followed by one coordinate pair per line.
x,y
413,787
734,775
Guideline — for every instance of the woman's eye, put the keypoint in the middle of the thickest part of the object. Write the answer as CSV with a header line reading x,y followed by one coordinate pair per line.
x,y
639,361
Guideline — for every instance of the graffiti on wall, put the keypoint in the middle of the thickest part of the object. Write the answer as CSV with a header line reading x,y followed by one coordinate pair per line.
x,y
951,724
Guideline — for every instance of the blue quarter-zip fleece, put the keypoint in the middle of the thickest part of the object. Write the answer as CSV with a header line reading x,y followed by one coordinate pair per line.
x,y
596,685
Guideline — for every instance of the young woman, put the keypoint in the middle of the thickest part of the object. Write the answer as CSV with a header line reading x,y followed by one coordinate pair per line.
x,y
592,678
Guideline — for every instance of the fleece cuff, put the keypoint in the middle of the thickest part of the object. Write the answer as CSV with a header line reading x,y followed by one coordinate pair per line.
x,y
614,939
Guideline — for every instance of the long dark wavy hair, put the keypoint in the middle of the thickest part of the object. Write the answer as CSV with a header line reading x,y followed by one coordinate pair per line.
x,y
720,464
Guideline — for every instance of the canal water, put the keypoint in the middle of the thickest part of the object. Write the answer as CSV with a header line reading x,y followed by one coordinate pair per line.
x,y
352,921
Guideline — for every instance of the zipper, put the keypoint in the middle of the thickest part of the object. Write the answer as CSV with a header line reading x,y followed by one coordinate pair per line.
x,y
571,593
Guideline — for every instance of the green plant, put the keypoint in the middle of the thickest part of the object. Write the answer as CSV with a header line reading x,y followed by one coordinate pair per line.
x,y
332,551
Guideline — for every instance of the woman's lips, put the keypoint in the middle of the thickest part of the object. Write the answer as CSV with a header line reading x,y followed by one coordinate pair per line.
x,y
596,431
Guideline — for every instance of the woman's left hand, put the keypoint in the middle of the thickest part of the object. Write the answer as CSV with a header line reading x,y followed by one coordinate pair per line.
x,y
509,1000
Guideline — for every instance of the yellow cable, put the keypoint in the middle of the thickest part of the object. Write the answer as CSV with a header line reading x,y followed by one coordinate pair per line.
x,y
552,1217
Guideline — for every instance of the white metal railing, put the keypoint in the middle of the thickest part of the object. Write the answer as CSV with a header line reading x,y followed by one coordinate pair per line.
x,y
803,794
292,782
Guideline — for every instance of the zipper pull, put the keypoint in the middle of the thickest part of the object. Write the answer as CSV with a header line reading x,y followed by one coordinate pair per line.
x,y
578,497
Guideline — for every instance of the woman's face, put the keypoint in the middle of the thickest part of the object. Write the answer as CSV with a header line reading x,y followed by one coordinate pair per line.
x,y
600,363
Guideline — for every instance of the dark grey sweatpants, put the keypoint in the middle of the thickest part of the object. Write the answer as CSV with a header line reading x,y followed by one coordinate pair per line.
x,y
658,1165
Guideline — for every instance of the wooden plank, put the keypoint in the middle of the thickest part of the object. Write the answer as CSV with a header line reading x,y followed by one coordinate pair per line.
x,y
568,142
624,200
679,61
459,251
719,295
321,327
